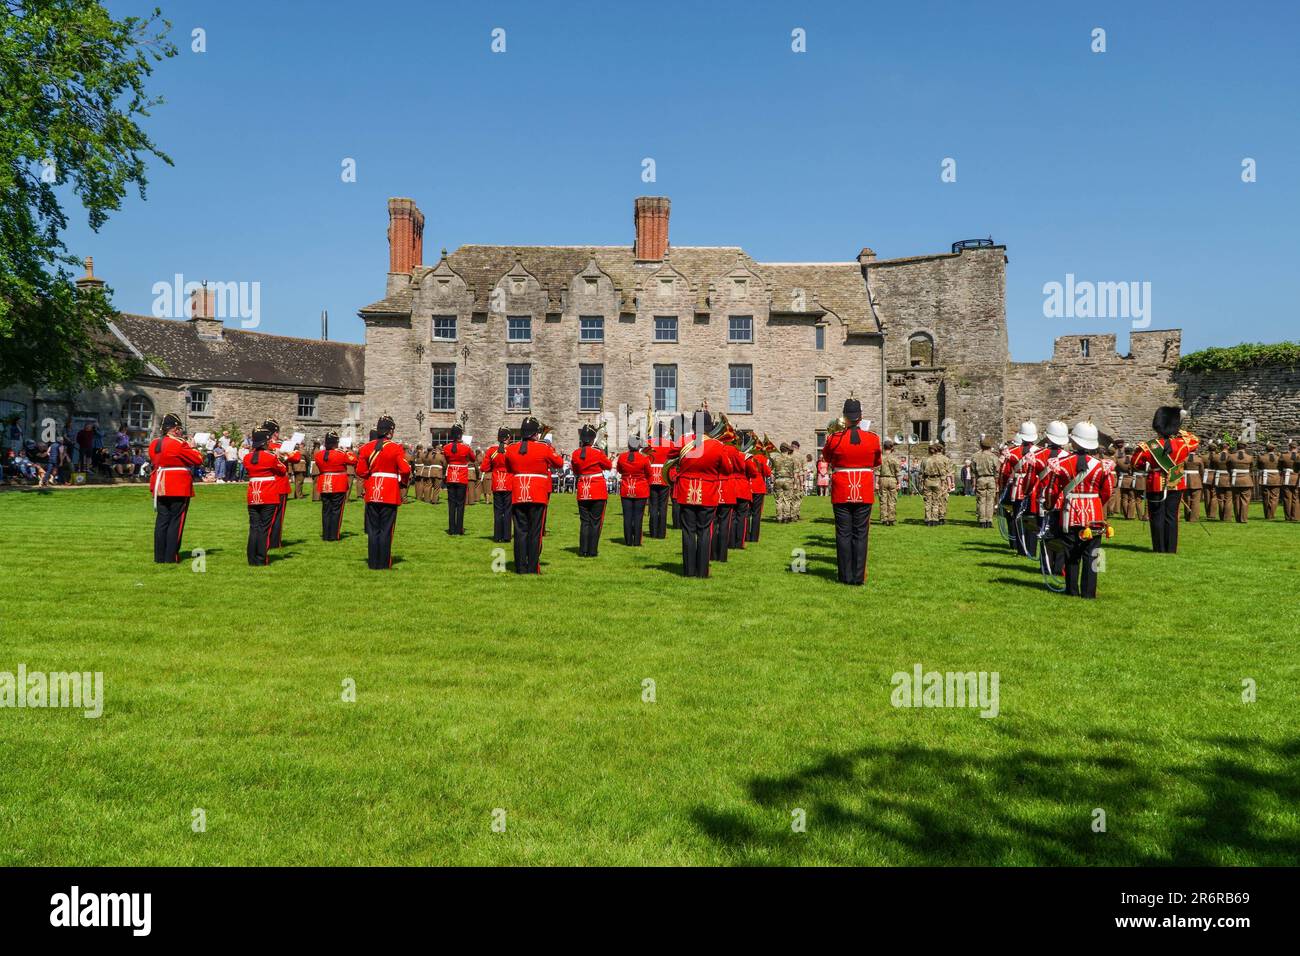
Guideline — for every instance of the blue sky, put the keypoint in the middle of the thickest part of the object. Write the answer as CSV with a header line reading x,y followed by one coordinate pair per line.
x,y
1115,166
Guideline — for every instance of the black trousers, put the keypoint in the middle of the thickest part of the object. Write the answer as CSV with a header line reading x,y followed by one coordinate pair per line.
x,y
331,515
591,518
677,515
633,516
852,526
1162,515
381,521
755,517
697,523
456,509
1081,566
740,524
501,516
530,519
168,526
260,520
722,531
659,511
277,526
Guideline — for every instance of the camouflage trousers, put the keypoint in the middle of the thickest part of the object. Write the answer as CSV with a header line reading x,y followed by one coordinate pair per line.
x,y
783,491
986,494
887,494
936,500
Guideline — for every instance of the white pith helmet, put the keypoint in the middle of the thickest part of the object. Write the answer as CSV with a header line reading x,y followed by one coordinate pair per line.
x,y
1085,435
1058,433
1028,432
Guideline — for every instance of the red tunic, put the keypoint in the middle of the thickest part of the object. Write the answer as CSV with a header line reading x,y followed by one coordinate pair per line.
x,y
530,471
332,470
700,474
634,471
758,471
494,463
1010,473
282,483
661,449
1086,502
459,457
1037,466
589,466
383,465
171,461
852,465
264,472
740,476
1178,447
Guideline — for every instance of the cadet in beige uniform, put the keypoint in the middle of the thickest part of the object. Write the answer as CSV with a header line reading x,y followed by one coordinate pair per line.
x,y
1124,480
1192,493
887,474
1289,462
1222,482
935,470
1268,465
984,466
1243,483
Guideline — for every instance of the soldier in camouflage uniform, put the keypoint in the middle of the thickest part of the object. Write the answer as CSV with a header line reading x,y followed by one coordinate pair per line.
x,y
782,482
984,466
887,494
935,469
800,477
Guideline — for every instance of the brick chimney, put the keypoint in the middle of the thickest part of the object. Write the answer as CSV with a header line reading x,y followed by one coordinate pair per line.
x,y
203,313
651,217
866,255
88,282
405,235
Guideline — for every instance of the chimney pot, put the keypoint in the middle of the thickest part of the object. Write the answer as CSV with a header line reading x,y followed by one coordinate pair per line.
x,y
650,215
405,235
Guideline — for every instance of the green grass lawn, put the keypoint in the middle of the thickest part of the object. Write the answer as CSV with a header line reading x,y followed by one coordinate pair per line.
x,y
478,690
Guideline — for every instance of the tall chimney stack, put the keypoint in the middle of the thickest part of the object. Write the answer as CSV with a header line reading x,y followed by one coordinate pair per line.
x,y
88,281
324,325
405,235
651,218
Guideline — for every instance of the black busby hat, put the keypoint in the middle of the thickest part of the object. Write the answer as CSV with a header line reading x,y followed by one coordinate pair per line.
x,y
586,434
456,432
171,421
260,437
386,425
271,425
503,433
331,439
1168,419
703,422
529,427
852,409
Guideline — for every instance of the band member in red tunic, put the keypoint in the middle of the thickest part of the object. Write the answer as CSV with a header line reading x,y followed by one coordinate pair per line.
x,y
383,465
758,470
1012,480
332,483
634,469
171,479
1079,487
264,470
696,474
853,455
740,490
494,463
272,427
459,457
725,513
589,464
1163,459
530,462
680,433
660,450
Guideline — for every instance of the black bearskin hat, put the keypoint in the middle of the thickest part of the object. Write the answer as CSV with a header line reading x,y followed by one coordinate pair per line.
x,y
1168,419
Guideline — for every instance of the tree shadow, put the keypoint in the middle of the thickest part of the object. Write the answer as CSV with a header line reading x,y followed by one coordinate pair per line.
x,y
909,803
1035,583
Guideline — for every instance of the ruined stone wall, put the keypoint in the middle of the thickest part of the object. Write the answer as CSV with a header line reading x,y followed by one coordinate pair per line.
x,y
1229,402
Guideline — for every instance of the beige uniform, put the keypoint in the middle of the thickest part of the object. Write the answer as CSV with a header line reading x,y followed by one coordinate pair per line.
x,y
1192,493
887,493
984,466
1243,483
1289,462
1268,466
935,471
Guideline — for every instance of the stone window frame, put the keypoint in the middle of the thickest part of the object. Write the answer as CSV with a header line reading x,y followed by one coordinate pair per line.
x,y
656,389
731,330
443,389
600,339
509,328
313,403
455,327
677,330
934,352
527,405
599,389
819,337
732,369
1085,347
201,409
821,393
140,420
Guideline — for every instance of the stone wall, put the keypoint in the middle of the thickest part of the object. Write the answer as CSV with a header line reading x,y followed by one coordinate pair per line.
x,y
1227,402
1118,392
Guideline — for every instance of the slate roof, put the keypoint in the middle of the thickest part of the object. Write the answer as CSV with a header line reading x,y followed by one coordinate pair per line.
x,y
173,348
836,287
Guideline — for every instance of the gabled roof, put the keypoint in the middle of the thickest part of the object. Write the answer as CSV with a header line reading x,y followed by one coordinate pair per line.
x,y
173,348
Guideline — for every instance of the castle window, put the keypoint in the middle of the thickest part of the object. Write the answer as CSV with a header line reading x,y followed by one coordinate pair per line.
x,y
665,388
306,405
354,411
821,438
819,337
200,400
591,387
920,350
665,328
740,328
519,387
139,414
442,389
921,430
1083,347
740,388
823,389
444,328
519,328
591,328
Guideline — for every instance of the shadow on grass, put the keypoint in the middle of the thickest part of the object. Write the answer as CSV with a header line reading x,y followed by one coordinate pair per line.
x,y
932,805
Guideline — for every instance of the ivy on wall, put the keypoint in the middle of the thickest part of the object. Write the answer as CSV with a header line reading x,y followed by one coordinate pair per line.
x,y
1244,356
